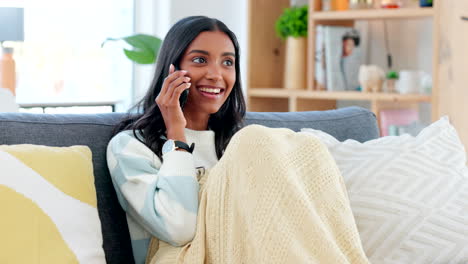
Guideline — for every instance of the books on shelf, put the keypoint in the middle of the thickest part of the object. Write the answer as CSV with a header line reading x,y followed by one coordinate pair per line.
x,y
320,71
339,53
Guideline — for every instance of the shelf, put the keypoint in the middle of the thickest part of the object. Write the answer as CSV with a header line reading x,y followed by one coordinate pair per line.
x,y
270,92
368,14
267,60
324,95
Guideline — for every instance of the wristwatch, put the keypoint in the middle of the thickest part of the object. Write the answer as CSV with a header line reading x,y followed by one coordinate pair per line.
x,y
171,145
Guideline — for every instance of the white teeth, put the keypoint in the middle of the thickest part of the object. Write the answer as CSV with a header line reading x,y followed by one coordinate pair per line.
x,y
211,90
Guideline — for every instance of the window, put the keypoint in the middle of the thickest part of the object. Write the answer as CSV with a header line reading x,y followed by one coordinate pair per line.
x,y
61,59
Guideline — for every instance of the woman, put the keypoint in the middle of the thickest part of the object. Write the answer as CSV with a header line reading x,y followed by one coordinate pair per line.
x,y
207,54
156,156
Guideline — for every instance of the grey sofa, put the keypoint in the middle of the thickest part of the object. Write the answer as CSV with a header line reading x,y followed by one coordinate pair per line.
x,y
95,131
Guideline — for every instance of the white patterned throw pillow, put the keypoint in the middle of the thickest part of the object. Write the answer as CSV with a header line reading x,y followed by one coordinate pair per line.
x,y
409,195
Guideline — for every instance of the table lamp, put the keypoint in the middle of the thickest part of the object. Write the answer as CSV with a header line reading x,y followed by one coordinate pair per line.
x,y
11,29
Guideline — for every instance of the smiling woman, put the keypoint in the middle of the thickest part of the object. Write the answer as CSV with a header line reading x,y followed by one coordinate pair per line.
x,y
178,170
201,55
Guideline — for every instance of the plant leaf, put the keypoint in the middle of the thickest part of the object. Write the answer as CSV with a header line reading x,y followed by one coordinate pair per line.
x,y
145,47
143,41
140,56
292,22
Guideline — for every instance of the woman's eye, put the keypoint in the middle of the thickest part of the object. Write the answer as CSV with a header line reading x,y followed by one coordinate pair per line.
x,y
199,60
228,62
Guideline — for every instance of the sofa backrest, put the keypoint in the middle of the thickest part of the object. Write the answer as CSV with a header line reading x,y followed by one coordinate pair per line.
x,y
346,123
95,131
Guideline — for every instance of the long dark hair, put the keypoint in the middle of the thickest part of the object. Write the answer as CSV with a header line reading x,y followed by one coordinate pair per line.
x,y
149,123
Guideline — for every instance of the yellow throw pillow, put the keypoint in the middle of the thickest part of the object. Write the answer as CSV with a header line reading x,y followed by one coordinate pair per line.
x,y
48,206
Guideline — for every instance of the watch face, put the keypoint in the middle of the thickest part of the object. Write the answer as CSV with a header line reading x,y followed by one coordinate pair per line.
x,y
168,146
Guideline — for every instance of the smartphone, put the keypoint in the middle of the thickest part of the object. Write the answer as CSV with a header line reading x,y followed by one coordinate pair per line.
x,y
184,95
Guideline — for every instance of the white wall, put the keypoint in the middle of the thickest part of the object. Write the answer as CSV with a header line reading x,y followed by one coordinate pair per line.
x,y
410,43
157,16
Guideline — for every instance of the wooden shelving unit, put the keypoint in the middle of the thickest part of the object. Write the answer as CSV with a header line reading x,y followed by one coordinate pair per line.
x,y
369,14
449,61
347,18
357,96
266,59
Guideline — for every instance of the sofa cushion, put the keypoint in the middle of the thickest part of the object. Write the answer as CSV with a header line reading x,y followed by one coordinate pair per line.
x,y
408,194
49,206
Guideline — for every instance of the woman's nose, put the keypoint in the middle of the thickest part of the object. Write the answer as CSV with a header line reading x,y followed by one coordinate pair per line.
x,y
214,72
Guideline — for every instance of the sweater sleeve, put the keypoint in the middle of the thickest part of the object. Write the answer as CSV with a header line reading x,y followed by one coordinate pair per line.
x,y
161,197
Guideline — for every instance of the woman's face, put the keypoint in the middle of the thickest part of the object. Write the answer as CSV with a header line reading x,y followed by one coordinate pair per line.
x,y
210,63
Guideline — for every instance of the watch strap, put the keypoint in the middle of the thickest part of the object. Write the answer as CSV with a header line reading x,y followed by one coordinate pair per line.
x,y
185,146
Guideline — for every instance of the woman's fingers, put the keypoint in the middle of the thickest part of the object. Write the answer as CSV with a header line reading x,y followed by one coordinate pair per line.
x,y
176,83
178,91
173,86
171,68
174,75
174,79
168,103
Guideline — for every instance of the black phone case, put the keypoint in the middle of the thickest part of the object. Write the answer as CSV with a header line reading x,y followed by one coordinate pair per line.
x,y
183,98
184,95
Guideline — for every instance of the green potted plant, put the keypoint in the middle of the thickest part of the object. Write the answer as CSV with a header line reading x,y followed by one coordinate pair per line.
x,y
392,76
292,27
145,47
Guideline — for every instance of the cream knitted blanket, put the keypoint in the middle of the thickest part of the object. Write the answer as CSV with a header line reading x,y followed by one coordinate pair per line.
x,y
276,196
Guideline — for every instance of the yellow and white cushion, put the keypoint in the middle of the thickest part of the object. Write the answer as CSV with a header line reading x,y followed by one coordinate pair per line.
x,y
48,204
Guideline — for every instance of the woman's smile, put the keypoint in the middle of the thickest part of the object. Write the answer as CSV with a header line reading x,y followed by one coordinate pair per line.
x,y
211,92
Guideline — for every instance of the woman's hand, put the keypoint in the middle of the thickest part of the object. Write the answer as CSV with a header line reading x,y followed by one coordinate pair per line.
x,y
168,102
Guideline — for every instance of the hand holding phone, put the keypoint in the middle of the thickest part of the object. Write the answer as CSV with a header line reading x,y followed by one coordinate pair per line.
x,y
171,99
184,95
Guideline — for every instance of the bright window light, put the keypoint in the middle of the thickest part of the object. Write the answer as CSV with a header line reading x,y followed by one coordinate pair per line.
x,y
61,58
